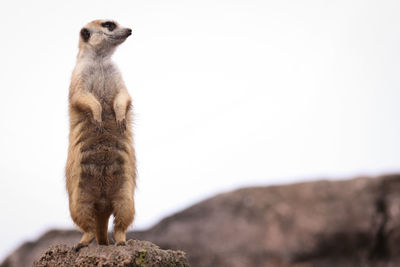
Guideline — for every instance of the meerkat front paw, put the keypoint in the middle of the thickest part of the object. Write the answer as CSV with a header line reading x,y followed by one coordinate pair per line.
x,y
121,124
122,243
99,126
97,115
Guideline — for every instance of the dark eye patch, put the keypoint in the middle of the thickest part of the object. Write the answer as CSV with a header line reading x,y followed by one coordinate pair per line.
x,y
85,33
109,25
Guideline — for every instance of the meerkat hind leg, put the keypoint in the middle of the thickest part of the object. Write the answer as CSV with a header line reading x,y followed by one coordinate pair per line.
x,y
82,215
123,216
86,239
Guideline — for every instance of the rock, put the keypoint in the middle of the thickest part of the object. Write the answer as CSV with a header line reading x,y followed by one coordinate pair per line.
x,y
135,253
322,223
32,250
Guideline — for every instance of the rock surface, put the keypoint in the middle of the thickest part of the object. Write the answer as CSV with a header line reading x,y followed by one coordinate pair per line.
x,y
323,223
135,253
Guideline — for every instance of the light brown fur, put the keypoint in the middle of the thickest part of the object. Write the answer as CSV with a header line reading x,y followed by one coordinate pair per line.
x,y
101,165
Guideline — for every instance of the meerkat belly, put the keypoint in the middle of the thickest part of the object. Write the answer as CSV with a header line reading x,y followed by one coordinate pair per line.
x,y
102,157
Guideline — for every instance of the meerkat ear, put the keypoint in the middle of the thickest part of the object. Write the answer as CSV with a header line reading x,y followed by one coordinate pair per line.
x,y
85,34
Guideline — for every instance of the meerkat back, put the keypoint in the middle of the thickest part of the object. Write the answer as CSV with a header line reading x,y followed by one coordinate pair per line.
x,y
101,164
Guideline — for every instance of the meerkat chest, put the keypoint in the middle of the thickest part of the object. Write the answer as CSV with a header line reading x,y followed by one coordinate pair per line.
x,y
103,82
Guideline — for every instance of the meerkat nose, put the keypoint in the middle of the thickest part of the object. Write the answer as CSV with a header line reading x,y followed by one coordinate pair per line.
x,y
129,31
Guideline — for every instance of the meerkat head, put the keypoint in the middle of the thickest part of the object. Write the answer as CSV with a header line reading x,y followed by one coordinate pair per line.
x,y
102,37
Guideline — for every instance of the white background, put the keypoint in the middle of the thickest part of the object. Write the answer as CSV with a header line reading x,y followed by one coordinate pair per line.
x,y
226,94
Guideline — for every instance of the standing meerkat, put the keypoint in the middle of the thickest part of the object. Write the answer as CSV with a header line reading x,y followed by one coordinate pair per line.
x,y
101,164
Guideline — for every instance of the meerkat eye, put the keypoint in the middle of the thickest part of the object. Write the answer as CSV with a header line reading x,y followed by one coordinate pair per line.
x,y
109,25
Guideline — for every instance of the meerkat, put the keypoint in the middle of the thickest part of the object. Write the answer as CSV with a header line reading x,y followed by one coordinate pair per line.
x,y
101,164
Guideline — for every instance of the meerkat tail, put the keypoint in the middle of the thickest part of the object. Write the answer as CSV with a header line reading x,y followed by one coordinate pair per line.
x,y
102,230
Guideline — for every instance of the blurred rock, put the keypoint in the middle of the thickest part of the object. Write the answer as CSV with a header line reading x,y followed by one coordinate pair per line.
x,y
135,253
30,251
323,223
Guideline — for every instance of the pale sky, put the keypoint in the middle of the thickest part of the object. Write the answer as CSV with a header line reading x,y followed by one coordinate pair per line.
x,y
226,94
